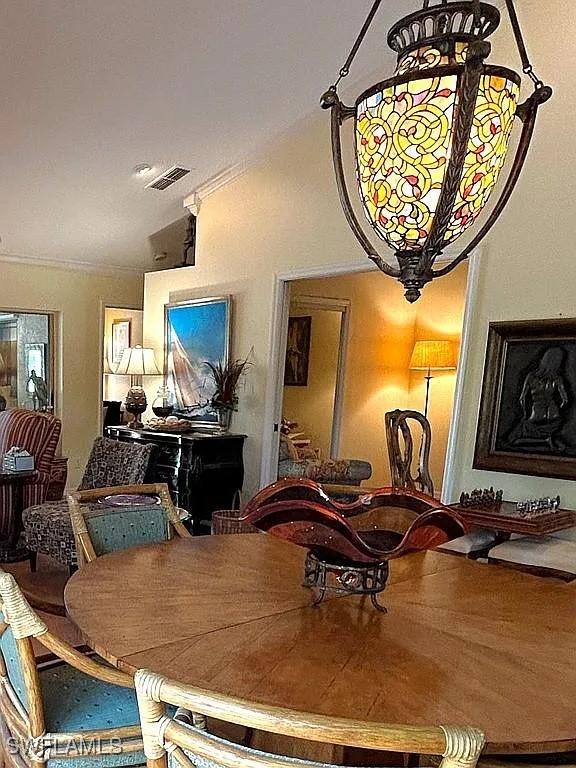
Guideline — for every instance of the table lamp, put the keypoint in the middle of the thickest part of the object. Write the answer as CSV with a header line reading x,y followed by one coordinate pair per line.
x,y
432,356
137,362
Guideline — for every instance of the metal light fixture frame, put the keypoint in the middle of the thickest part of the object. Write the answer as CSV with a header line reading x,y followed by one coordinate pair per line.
x,y
416,266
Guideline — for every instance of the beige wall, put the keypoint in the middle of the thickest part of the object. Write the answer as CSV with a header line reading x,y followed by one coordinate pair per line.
x,y
383,329
281,216
312,406
527,268
76,299
116,387
284,215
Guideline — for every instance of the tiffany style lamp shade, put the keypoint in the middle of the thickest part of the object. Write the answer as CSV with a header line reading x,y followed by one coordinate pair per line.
x,y
431,141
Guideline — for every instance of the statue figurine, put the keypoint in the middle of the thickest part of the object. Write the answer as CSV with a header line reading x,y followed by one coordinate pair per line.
x,y
543,398
39,391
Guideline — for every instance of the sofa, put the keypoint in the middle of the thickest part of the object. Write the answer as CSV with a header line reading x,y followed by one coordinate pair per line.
x,y
335,471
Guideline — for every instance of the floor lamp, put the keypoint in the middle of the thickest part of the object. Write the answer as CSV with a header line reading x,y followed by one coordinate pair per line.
x,y
432,356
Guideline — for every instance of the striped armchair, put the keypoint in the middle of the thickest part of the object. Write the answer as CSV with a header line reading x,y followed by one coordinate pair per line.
x,y
38,433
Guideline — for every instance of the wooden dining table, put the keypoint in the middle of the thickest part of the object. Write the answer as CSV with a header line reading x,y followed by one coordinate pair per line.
x,y
462,642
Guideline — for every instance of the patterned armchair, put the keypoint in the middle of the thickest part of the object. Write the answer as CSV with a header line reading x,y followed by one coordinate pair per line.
x,y
38,433
47,527
67,712
338,471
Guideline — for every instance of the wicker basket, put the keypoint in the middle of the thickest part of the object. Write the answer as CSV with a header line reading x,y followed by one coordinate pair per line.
x,y
226,521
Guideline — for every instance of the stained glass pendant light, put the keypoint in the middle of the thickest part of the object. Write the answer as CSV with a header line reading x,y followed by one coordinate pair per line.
x,y
431,140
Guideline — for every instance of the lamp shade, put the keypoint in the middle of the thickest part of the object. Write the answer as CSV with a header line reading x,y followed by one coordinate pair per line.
x,y
138,361
433,355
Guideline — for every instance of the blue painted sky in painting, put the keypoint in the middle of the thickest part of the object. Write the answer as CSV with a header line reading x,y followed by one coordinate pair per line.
x,y
201,329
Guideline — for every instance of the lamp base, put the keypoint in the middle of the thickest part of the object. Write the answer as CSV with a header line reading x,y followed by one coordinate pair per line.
x,y
135,404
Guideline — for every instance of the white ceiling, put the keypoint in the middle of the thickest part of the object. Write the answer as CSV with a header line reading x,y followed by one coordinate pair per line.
x,y
89,89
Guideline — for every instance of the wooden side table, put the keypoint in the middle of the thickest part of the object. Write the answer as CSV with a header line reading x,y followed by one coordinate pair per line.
x,y
10,552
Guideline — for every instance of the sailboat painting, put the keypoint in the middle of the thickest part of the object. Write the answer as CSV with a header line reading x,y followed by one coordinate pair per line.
x,y
197,331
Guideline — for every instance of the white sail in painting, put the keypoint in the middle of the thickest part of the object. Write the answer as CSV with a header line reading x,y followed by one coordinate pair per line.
x,y
187,378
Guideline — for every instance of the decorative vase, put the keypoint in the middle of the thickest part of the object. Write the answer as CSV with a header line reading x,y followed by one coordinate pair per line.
x,y
164,402
136,404
224,418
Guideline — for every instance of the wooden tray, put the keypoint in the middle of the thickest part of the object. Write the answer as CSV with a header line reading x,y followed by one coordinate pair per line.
x,y
505,518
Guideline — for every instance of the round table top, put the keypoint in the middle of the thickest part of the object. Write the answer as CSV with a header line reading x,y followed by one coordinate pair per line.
x,y
462,642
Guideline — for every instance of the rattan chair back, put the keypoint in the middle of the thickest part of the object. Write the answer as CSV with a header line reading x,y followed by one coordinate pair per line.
x,y
189,746
112,528
23,732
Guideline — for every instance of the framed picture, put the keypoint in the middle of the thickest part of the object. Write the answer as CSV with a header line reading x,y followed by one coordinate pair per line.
x,y
527,421
196,332
121,336
298,352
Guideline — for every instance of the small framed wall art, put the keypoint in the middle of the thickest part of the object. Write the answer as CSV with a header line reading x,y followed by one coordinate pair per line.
x,y
527,420
298,351
121,337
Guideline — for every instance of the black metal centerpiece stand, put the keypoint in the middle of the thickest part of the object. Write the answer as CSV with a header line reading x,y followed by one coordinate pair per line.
x,y
322,576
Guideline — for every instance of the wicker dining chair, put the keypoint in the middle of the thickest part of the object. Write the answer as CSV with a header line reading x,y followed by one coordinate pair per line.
x,y
99,529
190,746
65,711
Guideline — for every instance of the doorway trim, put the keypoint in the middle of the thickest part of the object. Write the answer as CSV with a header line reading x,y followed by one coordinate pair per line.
x,y
470,303
277,347
343,307
277,352
104,305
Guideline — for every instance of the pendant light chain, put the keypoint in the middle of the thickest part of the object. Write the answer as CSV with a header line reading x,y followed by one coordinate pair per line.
x,y
527,67
345,69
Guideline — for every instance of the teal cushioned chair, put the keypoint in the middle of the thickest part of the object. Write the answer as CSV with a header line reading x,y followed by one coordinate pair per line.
x,y
100,530
69,712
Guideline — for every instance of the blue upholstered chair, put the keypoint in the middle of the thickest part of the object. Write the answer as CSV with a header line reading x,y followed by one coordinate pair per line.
x,y
68,712
102,528
169,740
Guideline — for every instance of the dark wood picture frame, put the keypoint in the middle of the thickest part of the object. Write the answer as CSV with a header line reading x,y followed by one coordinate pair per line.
x,y
298,351
527,418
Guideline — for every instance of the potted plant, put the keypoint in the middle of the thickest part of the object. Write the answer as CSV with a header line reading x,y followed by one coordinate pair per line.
x,y
226,377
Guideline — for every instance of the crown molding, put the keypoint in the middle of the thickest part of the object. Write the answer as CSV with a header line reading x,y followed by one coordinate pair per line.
x,y
67,264
214,183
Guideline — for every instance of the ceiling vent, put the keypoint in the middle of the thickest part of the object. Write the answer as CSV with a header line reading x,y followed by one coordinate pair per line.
x,y
169,177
